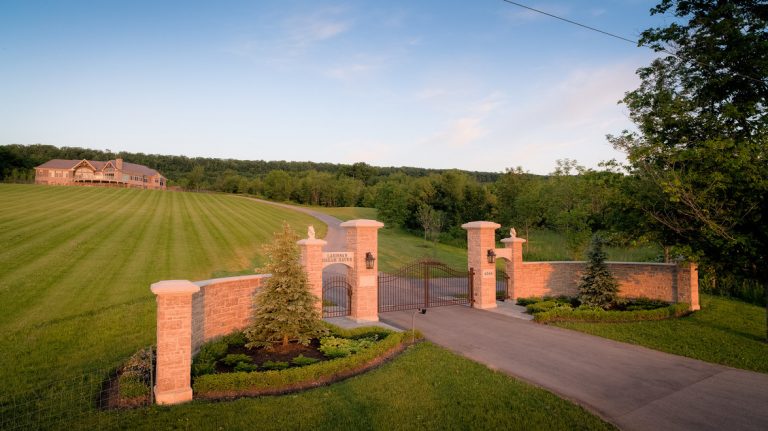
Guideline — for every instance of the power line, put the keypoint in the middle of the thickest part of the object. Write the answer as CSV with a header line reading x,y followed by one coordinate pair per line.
x,y
634,42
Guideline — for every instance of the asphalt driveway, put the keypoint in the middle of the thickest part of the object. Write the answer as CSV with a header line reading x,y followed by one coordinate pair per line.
x,y
631,386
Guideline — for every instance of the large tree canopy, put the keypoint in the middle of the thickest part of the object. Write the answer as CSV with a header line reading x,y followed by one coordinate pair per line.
x,y
700,155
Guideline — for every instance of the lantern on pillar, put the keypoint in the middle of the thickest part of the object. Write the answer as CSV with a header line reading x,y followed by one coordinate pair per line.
x,y
369,259
491,256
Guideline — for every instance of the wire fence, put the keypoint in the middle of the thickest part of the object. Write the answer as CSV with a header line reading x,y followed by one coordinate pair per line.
x,y
91,400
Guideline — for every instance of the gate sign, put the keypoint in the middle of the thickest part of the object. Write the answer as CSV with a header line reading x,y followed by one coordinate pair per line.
x,y
330,258
488,273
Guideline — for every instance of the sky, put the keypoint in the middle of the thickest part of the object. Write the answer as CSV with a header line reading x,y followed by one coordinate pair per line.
x,y
476,85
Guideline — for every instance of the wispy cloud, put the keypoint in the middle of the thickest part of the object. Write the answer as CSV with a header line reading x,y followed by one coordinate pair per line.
x,y
470,126
294,36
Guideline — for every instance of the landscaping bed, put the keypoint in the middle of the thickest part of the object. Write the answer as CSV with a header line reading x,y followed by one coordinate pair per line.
x,y
567,309
130,385
226,368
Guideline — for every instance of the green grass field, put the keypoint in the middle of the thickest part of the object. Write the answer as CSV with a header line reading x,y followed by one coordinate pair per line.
x,y
426,388
77,264
74,289
725,331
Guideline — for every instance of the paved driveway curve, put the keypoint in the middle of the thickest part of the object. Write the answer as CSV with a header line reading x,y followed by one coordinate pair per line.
x,y
335,236
631,386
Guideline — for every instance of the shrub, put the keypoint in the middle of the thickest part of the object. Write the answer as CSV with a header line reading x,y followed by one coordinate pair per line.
x,y
235,339
132,387
232,359
245,367
597,288
645,304
335,347
302,360
274,365
205,361
586,313
528,301
135,375
311,374
285,308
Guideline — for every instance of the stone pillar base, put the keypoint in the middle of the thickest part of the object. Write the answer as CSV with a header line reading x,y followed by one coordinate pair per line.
x,y
173,397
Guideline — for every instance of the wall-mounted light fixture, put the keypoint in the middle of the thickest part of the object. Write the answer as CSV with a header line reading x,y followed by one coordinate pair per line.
x,y
491,256
369,259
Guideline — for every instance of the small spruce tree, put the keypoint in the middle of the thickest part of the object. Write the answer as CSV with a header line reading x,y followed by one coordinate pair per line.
x,y
285,308
597,288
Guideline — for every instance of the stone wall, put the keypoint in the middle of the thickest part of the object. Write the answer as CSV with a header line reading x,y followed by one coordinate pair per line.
x,y
221,306
667,282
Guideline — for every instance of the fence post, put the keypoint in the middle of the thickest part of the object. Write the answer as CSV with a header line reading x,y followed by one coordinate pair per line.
x,y
174,340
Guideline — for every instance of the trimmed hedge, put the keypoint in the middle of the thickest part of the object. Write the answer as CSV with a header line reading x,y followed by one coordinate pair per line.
x,y
565,314
231,385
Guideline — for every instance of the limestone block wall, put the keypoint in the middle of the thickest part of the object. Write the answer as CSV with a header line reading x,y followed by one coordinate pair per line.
x,y
667,282
222,305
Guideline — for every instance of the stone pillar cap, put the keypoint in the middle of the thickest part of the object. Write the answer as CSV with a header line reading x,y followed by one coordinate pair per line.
x,y
480,225
310,241
362,223
174,287
515,239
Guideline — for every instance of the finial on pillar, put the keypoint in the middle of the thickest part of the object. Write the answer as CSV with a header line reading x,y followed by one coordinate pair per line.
x,y
512,233
311,232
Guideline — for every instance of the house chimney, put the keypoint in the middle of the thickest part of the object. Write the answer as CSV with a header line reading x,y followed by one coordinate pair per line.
x,y
119,164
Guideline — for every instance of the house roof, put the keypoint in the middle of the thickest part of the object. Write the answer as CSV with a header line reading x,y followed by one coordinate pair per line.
x,y
128,168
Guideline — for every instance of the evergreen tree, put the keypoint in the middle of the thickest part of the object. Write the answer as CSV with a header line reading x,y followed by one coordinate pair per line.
x,y
597,288
285,308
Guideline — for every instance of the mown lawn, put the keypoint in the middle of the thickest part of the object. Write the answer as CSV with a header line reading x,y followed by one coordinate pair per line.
x,y
426,388
724,331
77,263
74,290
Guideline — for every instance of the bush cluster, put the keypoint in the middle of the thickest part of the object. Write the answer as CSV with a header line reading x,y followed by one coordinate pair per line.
x,y
596,314
337,347
135,375
275,379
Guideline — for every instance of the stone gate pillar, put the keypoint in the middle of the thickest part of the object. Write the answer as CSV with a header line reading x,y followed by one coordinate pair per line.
x,y
312,261
174,340
514,266
481,237
362,238
687,285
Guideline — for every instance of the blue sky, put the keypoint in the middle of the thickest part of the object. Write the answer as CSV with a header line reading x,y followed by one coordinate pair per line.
x,y
478,85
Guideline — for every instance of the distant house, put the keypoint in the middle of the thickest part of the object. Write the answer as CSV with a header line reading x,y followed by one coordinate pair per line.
x,y
112,173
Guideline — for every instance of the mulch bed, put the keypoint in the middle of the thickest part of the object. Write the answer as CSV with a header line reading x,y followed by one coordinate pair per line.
x,y
373,363
278,353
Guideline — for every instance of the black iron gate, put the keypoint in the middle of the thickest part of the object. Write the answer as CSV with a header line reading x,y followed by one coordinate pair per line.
x,y
502,285
337,295
423,284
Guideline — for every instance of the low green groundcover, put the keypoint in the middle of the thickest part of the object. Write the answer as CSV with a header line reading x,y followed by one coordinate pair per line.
x,y
565,309
218,373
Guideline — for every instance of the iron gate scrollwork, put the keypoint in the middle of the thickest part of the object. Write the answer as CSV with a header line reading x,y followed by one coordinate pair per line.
x,y
423,284
337,295
502,285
